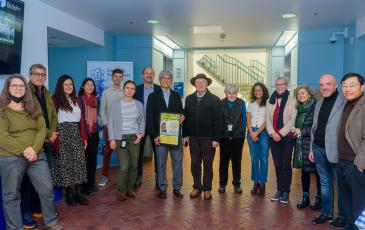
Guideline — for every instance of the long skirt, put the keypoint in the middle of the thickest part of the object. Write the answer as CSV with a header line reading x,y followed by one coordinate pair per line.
x,y
69,166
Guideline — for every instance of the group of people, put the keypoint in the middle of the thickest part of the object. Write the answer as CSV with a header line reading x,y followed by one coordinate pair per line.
x,y
57,137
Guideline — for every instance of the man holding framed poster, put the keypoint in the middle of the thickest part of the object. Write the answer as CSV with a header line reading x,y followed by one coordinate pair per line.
x,y
164,116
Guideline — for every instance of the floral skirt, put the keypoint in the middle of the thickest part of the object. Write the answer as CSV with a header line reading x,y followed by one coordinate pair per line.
x,y
69,166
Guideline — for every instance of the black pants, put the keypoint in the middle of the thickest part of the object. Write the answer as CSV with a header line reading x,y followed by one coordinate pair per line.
x,y
351,187
282,155
141,152
91,152
30,201
201,150
306,181
230,150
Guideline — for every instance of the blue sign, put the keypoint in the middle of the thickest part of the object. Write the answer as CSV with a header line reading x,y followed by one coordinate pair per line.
x,y
179,87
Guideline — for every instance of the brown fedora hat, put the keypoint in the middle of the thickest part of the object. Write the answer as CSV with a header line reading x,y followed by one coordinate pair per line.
x,y
202,76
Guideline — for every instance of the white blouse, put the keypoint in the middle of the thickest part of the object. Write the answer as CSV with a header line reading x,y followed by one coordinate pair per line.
x,y
257,114
66,116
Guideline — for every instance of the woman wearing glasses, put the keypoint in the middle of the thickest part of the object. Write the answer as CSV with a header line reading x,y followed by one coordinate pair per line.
x,y
22,134
280,119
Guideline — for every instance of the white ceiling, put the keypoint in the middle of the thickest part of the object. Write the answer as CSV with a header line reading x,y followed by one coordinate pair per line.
x,y
246,23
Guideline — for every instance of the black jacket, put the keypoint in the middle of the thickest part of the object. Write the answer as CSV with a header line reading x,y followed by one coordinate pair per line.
x,y
139,95
205,119
156,104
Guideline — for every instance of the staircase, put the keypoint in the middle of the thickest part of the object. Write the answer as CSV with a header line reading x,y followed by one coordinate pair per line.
x,y
229,70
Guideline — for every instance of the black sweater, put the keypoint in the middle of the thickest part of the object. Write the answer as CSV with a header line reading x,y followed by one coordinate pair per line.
x,y
205,119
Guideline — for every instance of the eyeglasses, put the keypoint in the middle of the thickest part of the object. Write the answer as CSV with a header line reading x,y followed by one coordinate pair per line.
x,y
39,75
351,86
279,85
15,86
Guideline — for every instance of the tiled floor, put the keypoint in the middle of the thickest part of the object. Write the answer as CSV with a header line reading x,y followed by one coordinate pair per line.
x,y
224,211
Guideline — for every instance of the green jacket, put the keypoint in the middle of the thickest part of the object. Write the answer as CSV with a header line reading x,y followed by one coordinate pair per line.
x,y
51,111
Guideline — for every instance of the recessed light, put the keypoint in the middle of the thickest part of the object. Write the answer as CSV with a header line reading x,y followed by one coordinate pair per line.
x,y
153,21
287,16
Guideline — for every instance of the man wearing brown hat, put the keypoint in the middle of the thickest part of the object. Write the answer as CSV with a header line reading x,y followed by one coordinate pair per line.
x,y
202,131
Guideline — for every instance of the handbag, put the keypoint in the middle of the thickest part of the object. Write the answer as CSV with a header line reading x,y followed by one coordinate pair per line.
x,y
298,153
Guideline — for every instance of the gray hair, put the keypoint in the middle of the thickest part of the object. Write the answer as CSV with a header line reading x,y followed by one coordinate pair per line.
x,y
230,88
165,73
282,78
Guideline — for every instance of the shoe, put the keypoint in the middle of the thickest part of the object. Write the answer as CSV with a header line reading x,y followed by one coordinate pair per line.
x,y
255,188
54,227
195,193
261,189
79,197
305,202
37,215
138,182
69,197
178,193
131,194
102,181
162,194
207,195
28,221
238,189
94,189
277,196
321,219
317,204
121,197
339,222
284,198
222,189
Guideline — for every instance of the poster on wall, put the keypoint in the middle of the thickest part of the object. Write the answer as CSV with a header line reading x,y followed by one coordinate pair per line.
x,y
101,73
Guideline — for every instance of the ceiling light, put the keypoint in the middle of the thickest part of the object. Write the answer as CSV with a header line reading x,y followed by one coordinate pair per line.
x,y
153,21
167,41
288,16
285,37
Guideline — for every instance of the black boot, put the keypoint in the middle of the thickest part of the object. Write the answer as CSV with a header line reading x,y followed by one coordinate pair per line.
x,y
79,197
305,202
69,197
318,204
255,188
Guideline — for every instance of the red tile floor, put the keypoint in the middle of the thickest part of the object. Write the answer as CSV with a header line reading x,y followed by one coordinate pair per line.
x,y
224,211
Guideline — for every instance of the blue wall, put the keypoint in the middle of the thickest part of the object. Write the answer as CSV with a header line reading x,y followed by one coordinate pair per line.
x,y
354,56
72,61
317,56
137,49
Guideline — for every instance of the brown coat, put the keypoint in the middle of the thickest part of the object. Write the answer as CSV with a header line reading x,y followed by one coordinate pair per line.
x,y
355,132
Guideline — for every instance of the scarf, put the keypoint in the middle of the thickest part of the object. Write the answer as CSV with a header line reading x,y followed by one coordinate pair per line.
x,y
303,110
91,113
284,98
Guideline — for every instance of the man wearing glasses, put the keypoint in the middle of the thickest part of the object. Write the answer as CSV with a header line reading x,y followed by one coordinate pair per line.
x,y
351,174
323,146
30,200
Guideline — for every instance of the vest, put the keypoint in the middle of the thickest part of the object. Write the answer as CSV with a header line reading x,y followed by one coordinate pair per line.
x,y
234,117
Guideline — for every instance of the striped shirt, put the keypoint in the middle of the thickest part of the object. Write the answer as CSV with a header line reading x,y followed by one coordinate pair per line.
x,y
129,117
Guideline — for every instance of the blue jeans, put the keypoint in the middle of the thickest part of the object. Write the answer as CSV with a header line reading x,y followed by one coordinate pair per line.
x,y
327,172
176,153
259,156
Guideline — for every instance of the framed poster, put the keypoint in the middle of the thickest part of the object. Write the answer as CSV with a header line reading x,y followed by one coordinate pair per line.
x,y
170,128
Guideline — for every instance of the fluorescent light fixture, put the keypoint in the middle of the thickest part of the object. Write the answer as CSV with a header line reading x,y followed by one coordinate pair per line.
x,y
153,21
285,37
167,41
288,16
207,29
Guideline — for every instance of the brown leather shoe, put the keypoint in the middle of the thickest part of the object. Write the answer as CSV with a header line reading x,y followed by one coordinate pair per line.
x,y
207,195
121,197
255,188
131,194
261,189
195,193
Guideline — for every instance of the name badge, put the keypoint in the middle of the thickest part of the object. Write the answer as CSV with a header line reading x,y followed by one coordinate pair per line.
x,y
230,127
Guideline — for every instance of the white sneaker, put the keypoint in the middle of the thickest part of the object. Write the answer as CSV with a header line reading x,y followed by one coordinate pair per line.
x,y
102,181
